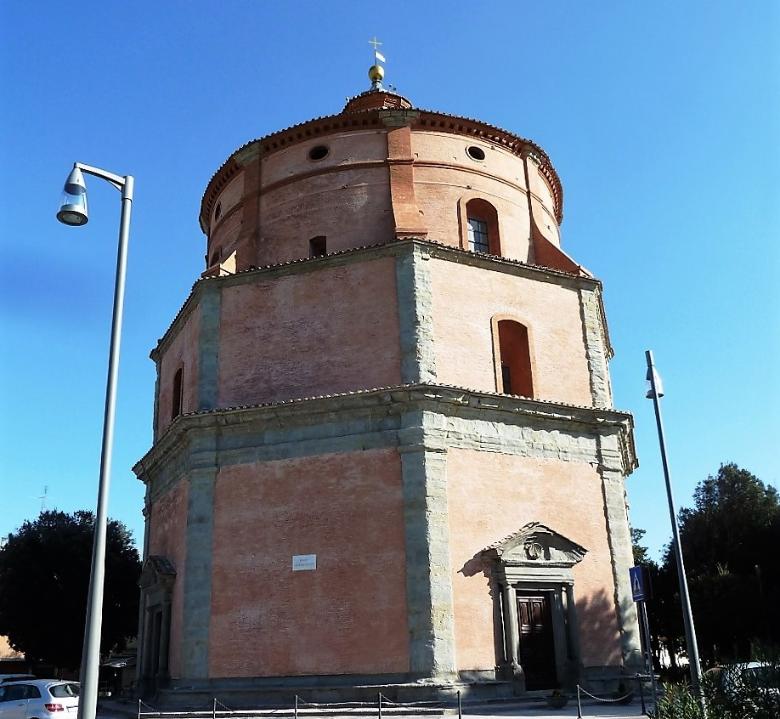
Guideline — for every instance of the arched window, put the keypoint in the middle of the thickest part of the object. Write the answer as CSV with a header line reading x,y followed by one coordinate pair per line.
x,y
176,394
317,246
514,359
482,227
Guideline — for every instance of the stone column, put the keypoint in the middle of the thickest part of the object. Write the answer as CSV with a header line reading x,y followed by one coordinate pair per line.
x,y
511,628
572,633
165,638
142,660
499,633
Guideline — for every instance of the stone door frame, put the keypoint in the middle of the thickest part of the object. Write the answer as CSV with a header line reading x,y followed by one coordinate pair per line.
x,y
536,559
158,576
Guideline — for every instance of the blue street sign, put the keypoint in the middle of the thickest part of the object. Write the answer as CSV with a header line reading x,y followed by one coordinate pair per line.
x,y
640,587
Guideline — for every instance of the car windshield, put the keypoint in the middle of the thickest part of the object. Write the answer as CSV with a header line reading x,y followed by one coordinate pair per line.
x,y
64,690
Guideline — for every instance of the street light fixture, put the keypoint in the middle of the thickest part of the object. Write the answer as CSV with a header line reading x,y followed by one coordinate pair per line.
x,y
73,211
655,391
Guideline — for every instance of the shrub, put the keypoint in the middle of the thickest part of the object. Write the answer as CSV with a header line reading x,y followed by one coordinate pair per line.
x,y
732,693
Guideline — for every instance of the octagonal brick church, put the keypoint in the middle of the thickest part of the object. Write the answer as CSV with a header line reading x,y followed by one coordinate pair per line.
x,y
385,451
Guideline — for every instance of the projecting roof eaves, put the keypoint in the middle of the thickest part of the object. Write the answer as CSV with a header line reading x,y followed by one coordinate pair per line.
x,y
446,399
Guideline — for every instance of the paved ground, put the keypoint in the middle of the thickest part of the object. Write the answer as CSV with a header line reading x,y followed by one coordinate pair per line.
x,y
115,710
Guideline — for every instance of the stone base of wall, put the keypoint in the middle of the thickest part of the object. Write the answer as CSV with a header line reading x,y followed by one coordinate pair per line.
x,y
474,686
247,693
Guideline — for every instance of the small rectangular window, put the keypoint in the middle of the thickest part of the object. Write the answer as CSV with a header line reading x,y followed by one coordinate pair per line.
x,y
176,394
478,235
317,246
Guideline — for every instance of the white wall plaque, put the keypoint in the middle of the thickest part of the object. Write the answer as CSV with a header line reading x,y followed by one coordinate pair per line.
x,y
304,562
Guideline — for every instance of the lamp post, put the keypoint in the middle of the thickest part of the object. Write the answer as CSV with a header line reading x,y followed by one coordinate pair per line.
x,y
655,391
73,211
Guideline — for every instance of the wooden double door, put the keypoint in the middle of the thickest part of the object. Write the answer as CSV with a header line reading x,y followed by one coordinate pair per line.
x,y
537,643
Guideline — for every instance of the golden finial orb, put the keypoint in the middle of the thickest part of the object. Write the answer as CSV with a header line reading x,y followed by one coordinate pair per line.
x,y
376,73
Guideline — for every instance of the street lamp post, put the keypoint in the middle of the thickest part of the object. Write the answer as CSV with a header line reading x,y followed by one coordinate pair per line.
x,y
655,392
73,211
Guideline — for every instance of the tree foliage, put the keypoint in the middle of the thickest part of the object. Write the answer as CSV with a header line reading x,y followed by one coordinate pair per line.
x,y
730,539
44,578
641,554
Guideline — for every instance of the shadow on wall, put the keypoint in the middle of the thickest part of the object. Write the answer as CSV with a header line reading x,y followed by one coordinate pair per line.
x,y
475,565
599,634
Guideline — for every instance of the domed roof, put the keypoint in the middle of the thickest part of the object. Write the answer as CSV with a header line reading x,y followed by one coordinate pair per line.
x,y
372,109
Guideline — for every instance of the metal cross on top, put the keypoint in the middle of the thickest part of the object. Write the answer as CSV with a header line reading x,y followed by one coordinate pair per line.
x,y
378,56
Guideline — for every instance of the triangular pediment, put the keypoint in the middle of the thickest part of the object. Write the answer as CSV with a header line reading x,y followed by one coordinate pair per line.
x,y
535,544
157,570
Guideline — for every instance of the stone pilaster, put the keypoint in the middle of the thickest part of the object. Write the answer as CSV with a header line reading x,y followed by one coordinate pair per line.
x,y
619,537
147,512
428,574
415,314
155,419
197,566
595,339
208,345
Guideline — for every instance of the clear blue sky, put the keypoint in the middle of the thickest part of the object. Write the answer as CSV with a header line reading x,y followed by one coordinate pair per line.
x,y
662,119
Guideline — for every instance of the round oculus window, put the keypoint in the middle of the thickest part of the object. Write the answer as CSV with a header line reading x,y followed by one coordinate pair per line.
x,y
476,153
318,152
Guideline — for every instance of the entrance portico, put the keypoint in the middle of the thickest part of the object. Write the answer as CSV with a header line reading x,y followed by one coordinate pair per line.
x,y
533,570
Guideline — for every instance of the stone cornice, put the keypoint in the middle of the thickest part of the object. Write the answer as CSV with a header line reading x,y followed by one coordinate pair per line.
x,y
364,254
446,400
420,120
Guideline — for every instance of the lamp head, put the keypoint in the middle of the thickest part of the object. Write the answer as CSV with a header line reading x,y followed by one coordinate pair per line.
x,y
73,208
659,385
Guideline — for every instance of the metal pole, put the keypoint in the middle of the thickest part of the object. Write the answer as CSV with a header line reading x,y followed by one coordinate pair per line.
x,y
379,700
214,709
460,706
579,703
641,694
646,629
690,631
296,706
90,657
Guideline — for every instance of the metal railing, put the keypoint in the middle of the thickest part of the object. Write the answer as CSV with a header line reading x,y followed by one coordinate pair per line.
x,y
638,678
219,710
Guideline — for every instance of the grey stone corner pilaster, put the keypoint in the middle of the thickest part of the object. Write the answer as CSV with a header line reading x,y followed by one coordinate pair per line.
x,y
597,347
619,537
208,345
201,474
429,596
415,313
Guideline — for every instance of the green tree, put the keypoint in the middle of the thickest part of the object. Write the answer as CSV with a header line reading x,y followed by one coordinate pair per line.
x,y
641,554
730,540
44,577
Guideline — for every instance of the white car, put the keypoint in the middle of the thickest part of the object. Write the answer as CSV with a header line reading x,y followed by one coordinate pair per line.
x,y
39,699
